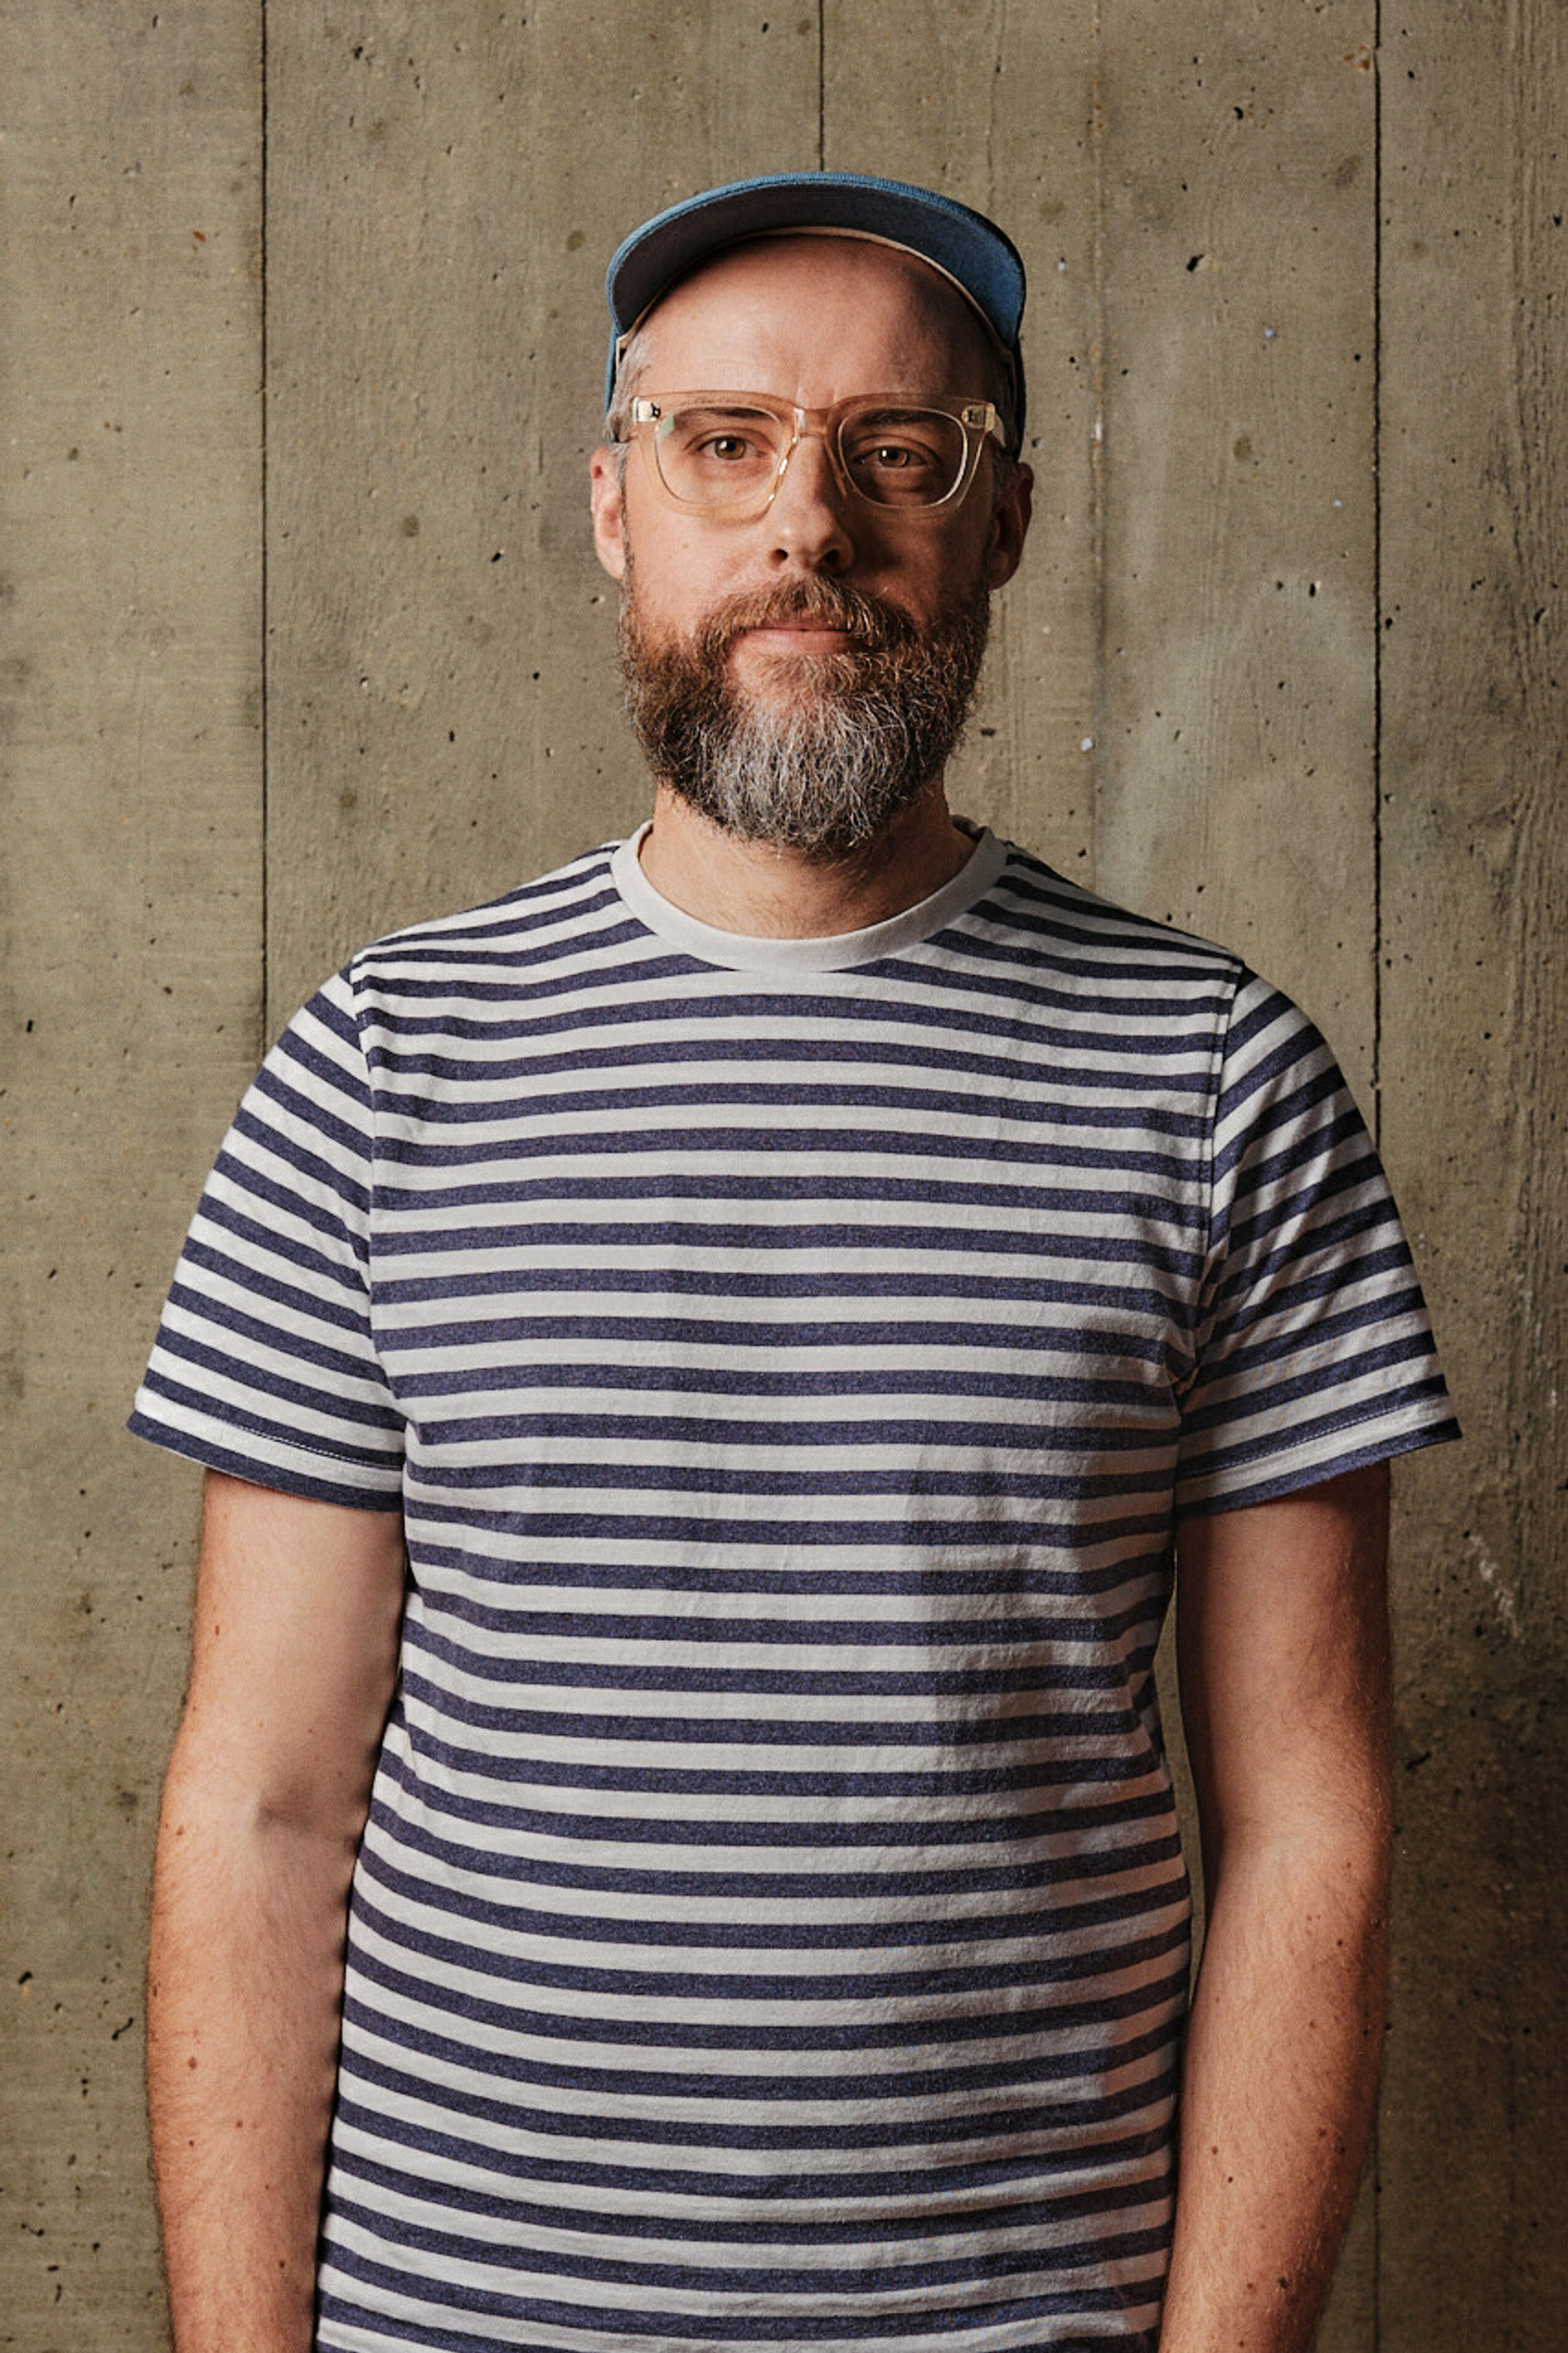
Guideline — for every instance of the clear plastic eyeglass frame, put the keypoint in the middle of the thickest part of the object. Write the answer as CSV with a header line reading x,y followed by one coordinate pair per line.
x,y
653,415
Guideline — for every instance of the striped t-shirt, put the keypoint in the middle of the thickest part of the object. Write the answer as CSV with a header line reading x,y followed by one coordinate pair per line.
x,y
791,1358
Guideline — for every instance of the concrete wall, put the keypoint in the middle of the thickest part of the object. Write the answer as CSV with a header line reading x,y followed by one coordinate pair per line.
x,y
302,638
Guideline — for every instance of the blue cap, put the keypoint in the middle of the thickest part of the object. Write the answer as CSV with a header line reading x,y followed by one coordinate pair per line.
x,y
982,262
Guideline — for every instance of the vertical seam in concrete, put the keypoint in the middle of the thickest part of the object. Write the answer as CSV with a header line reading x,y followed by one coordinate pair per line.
x,y
1099,696
1376,2149
822,85
1377,577
264,583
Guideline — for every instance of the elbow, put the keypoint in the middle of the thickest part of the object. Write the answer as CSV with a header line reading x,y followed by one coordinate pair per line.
x,y
214,1797
1336,1862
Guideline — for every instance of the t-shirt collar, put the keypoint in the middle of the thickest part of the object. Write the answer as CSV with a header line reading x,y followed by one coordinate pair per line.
x,y
832,951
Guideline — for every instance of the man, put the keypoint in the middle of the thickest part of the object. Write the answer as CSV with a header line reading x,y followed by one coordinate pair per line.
x,y
702,1366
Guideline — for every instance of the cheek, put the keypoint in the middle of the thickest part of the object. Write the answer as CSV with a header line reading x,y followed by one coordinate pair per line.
x,y
678,574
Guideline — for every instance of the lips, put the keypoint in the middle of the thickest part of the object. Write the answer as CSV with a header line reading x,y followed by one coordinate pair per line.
x,y
834,630
853,622
795,624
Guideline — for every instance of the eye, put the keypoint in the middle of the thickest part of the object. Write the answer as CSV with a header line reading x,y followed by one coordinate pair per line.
x,y
889,457
725,448
707,441
715,453
904,457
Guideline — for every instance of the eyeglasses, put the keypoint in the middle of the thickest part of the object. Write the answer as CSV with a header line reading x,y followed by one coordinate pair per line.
x,y
726,452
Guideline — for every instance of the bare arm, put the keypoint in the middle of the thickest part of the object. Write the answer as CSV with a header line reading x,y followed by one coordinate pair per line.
x,y
298,1609
1283,1652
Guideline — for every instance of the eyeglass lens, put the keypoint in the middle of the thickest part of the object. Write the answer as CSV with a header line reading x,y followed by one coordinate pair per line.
x,y
710,455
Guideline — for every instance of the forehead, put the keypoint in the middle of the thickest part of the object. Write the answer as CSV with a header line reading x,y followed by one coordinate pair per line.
x,y
816,318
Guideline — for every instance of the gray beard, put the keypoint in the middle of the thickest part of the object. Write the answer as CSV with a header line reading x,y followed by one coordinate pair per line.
x,y
828,772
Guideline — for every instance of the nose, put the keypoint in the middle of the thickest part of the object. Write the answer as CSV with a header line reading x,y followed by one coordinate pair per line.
x,y
809,518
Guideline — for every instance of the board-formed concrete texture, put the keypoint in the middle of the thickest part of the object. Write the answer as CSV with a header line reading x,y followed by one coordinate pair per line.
x,y
303,638
132,615
1474,1024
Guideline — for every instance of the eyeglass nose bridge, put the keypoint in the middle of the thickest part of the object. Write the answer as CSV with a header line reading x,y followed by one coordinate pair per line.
x,y
823,425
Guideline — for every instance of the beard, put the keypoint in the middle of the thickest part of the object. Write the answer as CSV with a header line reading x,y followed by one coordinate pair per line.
x,y
856,737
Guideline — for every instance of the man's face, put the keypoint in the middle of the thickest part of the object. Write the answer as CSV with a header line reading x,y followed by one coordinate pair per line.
x,y
800,675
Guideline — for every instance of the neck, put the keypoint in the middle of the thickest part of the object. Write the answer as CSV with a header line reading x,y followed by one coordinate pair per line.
x,y
767,892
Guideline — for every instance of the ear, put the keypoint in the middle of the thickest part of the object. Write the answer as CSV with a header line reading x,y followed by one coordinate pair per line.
x,y
1010,526
608,504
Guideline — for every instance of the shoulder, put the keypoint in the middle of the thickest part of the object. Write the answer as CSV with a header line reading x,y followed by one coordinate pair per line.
x,y
1054,916
1048,908
426,972
578,896
1143,985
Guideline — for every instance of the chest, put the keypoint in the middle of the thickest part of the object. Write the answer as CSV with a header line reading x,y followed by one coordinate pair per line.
x,y
971,1236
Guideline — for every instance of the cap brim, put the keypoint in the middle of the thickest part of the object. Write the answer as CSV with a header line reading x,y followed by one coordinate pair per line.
x,y
971,250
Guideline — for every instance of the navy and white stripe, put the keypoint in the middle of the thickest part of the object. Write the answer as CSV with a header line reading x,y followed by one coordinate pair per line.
x,y
792,1359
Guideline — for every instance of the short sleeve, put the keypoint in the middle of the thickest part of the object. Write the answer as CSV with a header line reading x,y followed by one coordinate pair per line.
x,y
1314,1354
265,1363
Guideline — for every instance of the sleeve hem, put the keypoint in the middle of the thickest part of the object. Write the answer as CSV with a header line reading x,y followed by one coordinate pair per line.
x,y
259,1471
1300,1476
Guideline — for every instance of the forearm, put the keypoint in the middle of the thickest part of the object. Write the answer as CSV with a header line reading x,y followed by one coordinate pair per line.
x,y
1278,2083
244,1992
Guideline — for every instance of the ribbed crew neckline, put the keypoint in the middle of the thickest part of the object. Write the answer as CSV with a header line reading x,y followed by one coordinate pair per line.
x,y
831,951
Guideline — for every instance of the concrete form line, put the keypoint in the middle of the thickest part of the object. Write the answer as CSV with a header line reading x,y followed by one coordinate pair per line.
x,y
1375,2154
1377,577
1097,427
266,662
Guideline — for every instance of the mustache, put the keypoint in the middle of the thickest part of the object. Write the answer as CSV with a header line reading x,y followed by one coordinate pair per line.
x,y
871,624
